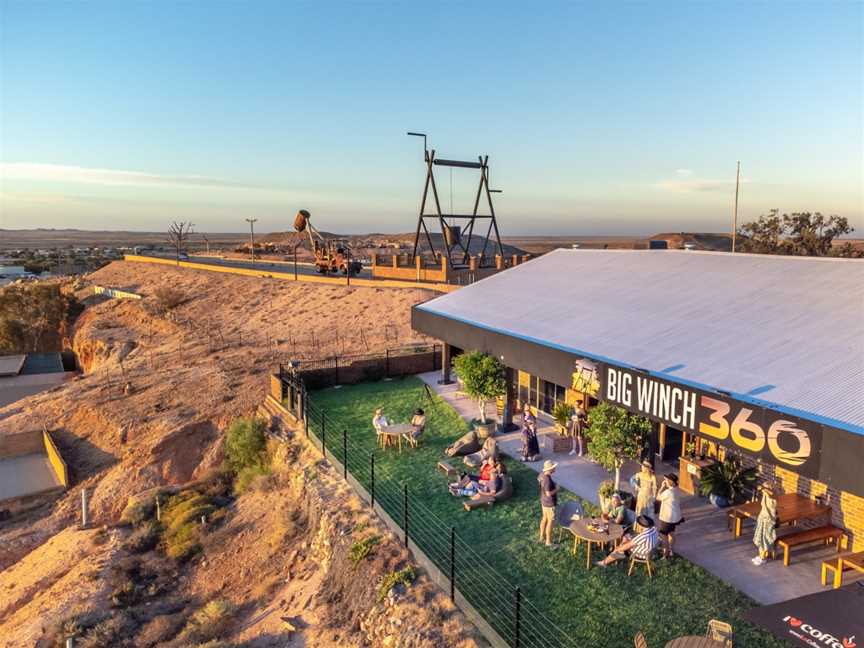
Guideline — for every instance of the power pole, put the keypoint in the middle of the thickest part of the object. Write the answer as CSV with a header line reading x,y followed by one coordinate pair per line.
x,y
735,212
207,243
251,222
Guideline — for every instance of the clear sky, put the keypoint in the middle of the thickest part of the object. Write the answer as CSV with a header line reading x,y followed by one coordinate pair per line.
x,y
599,118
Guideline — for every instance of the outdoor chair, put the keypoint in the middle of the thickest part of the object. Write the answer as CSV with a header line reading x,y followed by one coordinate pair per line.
x,y
639,640
720,631
503,494
566,514
489,449
641,560
413,437
464,445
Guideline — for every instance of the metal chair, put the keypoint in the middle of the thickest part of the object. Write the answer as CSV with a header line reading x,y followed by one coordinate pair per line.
x,y
565,515
639,640
720,631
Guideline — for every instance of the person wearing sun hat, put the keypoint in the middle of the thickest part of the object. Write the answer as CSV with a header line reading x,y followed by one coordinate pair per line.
x,y
669,496
548,501
645,484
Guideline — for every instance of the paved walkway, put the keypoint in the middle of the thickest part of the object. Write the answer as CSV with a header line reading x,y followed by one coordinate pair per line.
x,y
702,539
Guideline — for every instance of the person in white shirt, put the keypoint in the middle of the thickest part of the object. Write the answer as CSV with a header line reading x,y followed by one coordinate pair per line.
x,y
669,496
379,421
640,545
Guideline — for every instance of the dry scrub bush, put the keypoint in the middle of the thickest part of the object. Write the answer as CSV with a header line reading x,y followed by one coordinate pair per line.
x,y
167,298
181,524
208,623
142,539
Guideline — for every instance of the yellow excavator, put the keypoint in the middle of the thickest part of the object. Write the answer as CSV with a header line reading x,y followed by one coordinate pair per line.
x,y
331,256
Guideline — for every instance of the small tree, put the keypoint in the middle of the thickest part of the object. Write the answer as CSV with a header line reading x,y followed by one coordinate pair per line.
x,y
615,435
482,378
797,234
178,236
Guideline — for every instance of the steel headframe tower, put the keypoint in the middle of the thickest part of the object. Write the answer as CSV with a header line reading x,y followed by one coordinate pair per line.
x,y
456,238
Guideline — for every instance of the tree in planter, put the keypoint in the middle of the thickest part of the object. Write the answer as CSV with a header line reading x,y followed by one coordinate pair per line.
x,y
728,482
482,378
562,413
615,435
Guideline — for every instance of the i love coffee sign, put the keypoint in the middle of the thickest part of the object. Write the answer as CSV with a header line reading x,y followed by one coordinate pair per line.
x,y
832,619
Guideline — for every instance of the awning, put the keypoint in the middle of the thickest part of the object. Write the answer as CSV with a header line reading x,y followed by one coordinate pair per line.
x,y
831,619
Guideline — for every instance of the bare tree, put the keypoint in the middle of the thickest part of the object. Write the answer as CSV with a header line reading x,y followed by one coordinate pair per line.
x,y
178,236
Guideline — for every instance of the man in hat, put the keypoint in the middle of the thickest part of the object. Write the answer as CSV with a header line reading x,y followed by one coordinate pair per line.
x,y
548,501
669,496
640,545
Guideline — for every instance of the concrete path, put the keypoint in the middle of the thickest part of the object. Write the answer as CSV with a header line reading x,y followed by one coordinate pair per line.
x,y
703,539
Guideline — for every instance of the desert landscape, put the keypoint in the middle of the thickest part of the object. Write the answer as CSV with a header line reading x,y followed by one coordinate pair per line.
x,y
148,414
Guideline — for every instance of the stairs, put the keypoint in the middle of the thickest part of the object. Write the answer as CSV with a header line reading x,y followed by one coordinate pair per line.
x,y
277,418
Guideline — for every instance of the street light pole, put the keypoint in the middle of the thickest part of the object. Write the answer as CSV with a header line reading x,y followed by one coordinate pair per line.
x,y
251,222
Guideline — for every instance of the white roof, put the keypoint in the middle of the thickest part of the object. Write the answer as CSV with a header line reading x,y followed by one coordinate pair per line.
x,y
784,331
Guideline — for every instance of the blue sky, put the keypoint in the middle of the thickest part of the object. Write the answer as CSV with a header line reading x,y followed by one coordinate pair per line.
x,y
598,118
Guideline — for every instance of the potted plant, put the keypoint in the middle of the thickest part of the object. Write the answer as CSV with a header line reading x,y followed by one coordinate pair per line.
x,y
727,482
562,413
483,379
615,435
604,493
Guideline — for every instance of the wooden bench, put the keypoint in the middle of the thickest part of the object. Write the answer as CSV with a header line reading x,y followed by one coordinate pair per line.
x,y
446,468
823,533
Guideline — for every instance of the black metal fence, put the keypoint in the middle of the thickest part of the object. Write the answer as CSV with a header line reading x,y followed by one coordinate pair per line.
x,y
494,603
348,369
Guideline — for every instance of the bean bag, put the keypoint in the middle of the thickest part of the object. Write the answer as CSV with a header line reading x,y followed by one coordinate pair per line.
x,y
464,445
502,495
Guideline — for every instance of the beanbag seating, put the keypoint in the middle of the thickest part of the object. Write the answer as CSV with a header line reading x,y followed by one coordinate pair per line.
x,y
464,445
502,495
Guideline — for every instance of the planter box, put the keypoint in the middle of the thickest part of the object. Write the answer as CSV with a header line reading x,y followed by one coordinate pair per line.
x,y
561,443
485,430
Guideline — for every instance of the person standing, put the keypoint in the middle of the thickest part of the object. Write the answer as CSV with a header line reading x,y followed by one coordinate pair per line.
x,y
577,422
670,516
765,534
645,484
530,444
548,501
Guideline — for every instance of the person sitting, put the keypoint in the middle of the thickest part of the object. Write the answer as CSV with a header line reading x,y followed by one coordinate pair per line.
x,y
640,545
489,449
379,422
470,484
418,424
616,512
530,445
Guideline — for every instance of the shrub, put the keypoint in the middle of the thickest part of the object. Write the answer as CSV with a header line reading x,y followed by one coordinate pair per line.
x,y
208,623
729,480
246,444
404,576
362,548
167,298
181,530
614,436
250,476
142,539
136,513
562,413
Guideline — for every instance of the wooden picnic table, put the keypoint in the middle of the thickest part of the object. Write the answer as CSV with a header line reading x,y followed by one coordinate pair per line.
x,y
791,507
847,561
581,531
694,641
392,434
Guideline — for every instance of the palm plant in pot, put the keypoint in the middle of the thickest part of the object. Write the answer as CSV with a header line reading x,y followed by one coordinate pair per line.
x,y
727,482
483,379
562,413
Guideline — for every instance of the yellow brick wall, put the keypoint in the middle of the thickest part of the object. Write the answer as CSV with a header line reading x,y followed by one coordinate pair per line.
x,y
847,510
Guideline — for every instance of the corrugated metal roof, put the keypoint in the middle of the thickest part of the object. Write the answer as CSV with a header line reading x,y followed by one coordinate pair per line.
x,y
785,331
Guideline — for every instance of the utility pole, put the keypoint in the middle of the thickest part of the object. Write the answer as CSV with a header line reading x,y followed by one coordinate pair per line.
x,y
735,212
251,222
207,243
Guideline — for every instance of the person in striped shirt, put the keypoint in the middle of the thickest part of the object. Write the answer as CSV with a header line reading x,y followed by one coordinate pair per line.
x,y
640,545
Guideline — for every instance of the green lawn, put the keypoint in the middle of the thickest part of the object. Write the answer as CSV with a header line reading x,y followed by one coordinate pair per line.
x,y
595,607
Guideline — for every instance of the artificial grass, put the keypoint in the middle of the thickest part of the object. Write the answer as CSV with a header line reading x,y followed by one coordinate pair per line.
x,y
596,607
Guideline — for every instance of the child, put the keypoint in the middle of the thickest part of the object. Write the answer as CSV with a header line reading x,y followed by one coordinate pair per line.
x,y
530,445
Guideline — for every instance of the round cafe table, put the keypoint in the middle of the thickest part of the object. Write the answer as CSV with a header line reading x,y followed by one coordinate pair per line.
x,y
693,641
579,529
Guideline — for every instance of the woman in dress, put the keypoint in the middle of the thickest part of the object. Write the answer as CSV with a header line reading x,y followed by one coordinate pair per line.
x,y
766,525
645,483
577,424
530,444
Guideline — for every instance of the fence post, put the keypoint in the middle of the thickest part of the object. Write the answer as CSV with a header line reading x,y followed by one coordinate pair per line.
x,y
405,512
453,564
323,435
387,363
517,605
345,454
372,472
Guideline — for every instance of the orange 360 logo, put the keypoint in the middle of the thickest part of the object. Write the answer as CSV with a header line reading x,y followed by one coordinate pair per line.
x,y
750,435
